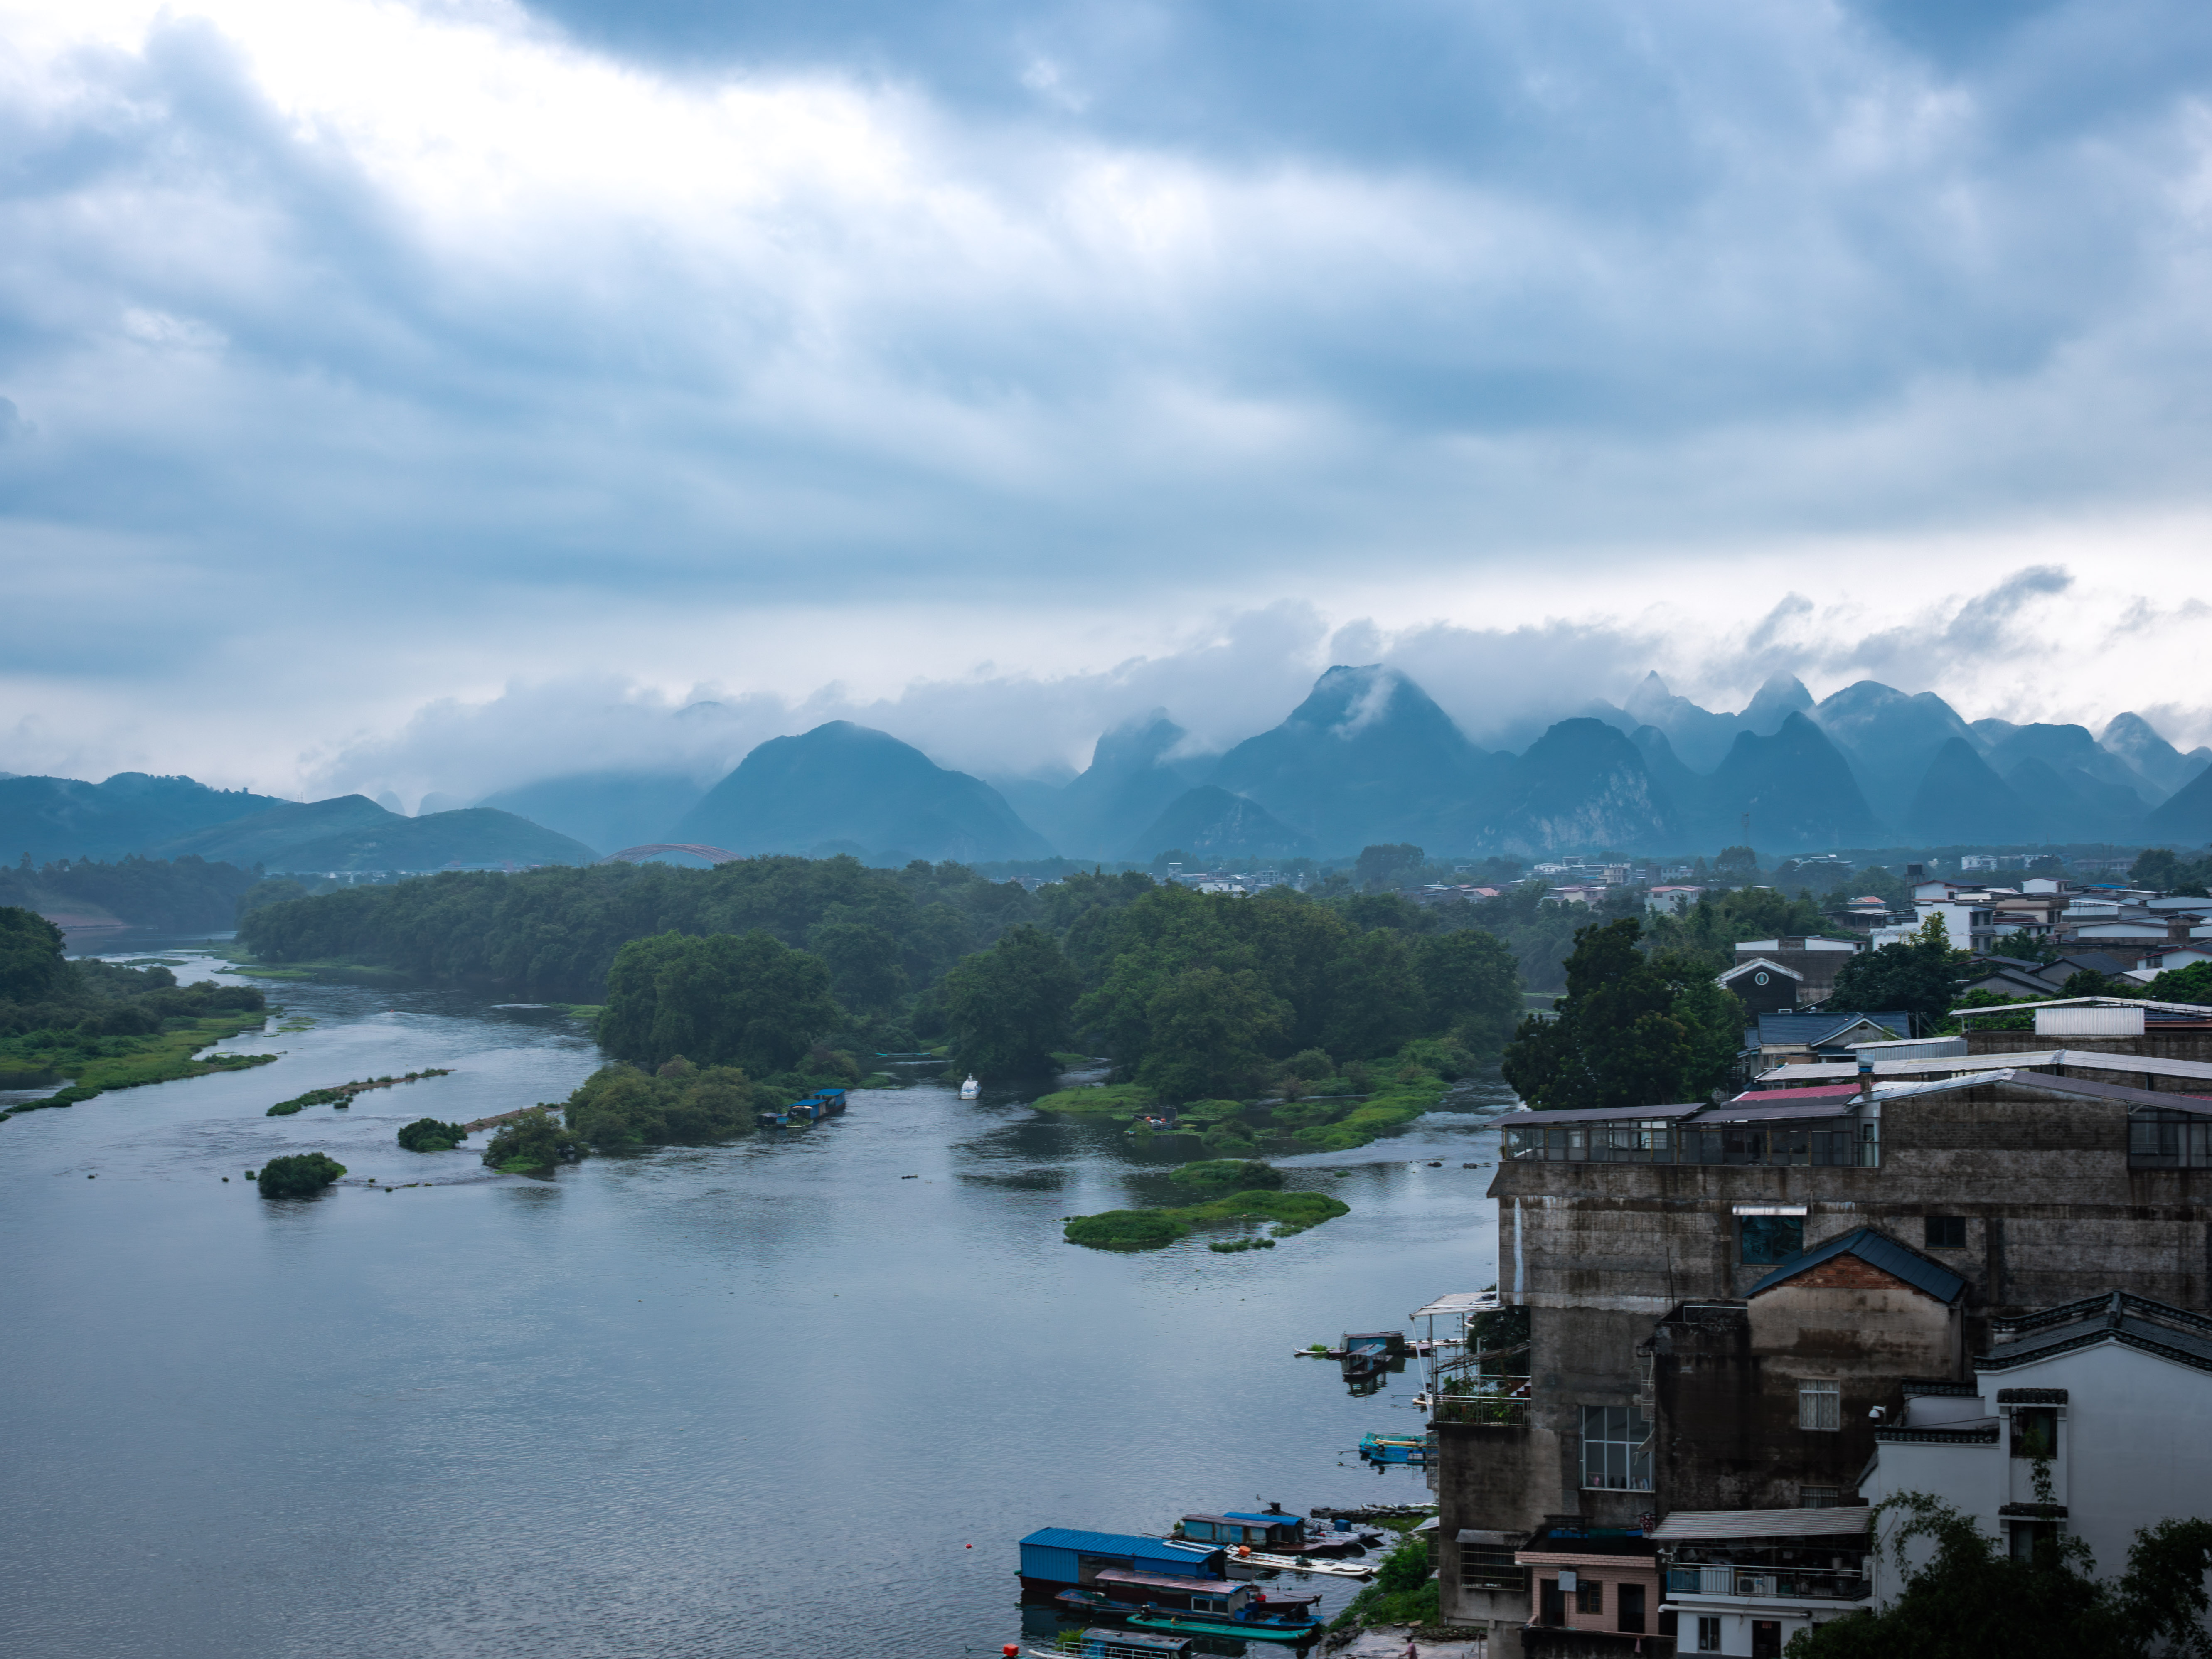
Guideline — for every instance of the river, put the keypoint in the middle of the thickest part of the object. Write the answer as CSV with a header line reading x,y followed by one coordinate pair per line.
x,y
772,1398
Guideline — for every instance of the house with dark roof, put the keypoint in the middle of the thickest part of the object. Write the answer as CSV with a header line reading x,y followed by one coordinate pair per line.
x,y
1762,1403
1793,1039
2105,1398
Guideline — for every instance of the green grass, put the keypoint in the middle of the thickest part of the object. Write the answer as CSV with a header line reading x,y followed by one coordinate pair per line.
x,y
1150,1229
1066,1059
1121,1101
97,1065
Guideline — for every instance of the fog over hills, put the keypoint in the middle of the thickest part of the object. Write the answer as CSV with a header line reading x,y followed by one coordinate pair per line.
x,y
1366,756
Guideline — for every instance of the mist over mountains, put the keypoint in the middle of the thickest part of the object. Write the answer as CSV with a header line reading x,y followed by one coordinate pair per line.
x,y
1368,756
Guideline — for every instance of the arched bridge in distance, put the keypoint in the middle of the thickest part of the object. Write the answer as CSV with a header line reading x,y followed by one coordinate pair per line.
x,y
640,854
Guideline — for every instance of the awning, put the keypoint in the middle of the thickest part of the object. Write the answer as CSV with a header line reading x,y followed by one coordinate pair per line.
x,y
1458,1302
1685,1526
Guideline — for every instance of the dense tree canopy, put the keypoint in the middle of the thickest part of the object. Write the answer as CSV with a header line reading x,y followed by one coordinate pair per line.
x,y
1972,1601
743,999
1921,975
1633,1029
32,966
1007,1008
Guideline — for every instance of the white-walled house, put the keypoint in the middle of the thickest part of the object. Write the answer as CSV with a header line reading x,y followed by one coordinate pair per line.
x,y
2115,1392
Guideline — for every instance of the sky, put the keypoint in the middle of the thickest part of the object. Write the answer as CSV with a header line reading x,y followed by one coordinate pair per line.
x,y
430,396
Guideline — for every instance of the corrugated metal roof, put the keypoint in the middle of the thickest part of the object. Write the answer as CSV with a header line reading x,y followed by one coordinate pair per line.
x,y
1526,1120
1459,1302
1109,1543
1824,1092
2083,1058
1685,1525
1876,1250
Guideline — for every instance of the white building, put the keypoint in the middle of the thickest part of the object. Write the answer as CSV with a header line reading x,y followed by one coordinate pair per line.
x,y
1743,1582
2112,1395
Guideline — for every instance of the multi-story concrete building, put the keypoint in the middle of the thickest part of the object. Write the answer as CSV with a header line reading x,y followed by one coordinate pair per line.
x,y
1982,1186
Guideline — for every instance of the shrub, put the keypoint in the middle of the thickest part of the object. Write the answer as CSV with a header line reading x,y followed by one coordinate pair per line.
x,y
426,1134
535,1140
1125,1230
300,1175
1227,1175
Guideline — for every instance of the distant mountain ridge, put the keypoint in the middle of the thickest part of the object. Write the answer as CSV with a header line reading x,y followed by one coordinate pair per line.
x,y
352,832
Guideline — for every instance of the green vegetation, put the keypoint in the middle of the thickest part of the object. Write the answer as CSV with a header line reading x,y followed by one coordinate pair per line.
x,y
1120,1101
1633,1029
1226,1174
1973,1600
300,1176
731,999
1149,1230
1007,1008
342,1094
102,1025
2189,984
620,1106
1404,1592
2176,873
426,1134
536,1140
1241,1245
1921,975
181,897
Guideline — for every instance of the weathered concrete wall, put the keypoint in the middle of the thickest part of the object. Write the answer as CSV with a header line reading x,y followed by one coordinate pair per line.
x,y
2163,1045
1599,1252
1724,1385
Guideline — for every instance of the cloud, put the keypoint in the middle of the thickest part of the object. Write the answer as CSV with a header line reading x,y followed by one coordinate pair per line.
x,y
371,354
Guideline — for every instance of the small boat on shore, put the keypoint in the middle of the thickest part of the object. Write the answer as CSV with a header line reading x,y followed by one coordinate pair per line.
x,y
970,1090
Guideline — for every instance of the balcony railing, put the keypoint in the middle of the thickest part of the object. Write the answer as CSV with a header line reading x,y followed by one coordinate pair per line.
x,y
1856,1144
1795,1583
1496,1410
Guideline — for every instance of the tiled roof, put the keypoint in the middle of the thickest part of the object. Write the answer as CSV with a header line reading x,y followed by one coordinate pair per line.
x,y
2130,1330
1876,1250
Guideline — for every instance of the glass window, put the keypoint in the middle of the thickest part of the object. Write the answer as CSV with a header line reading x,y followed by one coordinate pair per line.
x,y
1770,1238
2035,1432
1589,1596
1490,1567
1947,1232
1709,1634
1818,1498
1616,1448
1820,1406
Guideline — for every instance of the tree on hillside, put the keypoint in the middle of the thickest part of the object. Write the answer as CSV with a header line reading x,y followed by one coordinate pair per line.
x,y
1632,1029
746,1001
2189,984
1921,975
1008,1007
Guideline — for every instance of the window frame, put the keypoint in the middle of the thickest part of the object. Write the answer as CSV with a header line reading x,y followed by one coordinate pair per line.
x,y
2036,1416
1709,1632
1747,1225
1630,1470
1482,1572
1589,1596
1818,1398
1943,1232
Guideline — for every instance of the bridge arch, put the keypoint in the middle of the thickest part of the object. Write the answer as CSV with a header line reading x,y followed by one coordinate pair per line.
x,y
640,854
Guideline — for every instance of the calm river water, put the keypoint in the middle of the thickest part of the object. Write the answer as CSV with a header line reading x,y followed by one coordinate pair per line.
x,y
751,1400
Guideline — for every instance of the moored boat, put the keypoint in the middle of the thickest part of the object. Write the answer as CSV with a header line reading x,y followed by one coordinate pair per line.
x,y
971,1089
1056,1558
1398,1449
1258,1622
1121,1644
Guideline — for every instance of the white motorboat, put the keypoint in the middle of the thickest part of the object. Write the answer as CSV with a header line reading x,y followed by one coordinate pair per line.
x,y
970,1089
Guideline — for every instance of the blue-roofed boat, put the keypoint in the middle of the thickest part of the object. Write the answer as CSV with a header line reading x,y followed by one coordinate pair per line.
x,y
1055,1558
822,1103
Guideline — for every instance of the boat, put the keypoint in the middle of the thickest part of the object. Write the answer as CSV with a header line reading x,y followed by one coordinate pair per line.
x,y
1397,1448
822,1103
1256,1622
1275,1531
1244,1556
1119,1644
1056,1558
970,1089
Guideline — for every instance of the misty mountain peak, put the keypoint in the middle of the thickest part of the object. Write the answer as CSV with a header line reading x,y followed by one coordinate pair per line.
x,y
1783,696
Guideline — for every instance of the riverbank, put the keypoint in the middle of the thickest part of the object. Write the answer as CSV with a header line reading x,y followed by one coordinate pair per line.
x,y
95,1066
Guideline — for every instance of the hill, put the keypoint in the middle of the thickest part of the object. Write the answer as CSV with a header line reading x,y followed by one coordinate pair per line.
x,y
1891,740
2186,819
2071,748
2138,742
1583,784
352,832
1797,788
1367,758
1961,801
1130,782
845,787
51,819
1211,824
607,809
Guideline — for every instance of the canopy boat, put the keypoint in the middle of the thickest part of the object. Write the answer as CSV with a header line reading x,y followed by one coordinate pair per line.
x,y
970,1089
1121,1645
